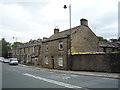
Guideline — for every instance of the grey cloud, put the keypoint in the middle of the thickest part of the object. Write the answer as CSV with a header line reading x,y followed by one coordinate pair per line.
x,y
39,18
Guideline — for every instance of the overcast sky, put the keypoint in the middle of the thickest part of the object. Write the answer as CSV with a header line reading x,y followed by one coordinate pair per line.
x,y
33,19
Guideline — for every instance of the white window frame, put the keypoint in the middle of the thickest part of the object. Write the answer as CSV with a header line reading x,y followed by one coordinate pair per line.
x,y
60,60
60,43
46,60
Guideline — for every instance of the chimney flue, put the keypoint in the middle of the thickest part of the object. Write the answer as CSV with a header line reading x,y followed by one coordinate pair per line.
x,y
84,22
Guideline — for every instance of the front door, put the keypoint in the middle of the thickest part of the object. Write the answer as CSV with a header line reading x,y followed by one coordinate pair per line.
x,y
53,60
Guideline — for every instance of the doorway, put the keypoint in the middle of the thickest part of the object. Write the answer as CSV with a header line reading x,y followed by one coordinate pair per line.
x,y
53,62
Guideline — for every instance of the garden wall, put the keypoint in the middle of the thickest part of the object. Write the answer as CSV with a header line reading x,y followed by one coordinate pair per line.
x,y
96,62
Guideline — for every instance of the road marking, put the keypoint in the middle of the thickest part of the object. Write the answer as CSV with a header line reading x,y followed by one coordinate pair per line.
x,y
52,81
109,78
74,75
65,77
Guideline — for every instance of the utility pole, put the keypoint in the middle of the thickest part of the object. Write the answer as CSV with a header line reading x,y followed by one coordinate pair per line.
x,y
70,61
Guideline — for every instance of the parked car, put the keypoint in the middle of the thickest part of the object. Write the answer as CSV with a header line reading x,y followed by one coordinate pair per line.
x,y
13,61
5,60
1,59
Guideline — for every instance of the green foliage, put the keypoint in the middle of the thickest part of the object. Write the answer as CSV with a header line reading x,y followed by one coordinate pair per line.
x,y
116,52
119,39
4,47
113,40
15,44
101,38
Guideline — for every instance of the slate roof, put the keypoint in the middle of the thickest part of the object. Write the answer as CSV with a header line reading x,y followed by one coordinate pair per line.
x,y
105,44
29,45
116,44
63,34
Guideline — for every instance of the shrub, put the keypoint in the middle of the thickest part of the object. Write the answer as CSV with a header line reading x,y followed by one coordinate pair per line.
x,y
116,52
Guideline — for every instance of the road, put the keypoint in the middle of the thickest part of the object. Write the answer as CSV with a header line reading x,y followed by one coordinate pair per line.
x,y
23,77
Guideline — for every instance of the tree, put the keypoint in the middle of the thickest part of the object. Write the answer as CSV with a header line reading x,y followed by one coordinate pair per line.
x,y
4,47
101,38
15,44
119,39
113,40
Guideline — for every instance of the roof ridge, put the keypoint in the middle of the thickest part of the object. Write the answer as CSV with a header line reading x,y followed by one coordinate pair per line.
x,y
69,29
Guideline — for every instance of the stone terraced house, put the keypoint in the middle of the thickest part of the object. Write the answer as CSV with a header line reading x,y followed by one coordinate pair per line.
x,y
56,49
29,51
54,52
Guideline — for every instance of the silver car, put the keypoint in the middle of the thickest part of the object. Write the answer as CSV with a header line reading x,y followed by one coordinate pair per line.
x,y
13,61
1,59
5,61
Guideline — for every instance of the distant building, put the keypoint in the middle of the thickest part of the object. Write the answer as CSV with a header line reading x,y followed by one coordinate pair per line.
x,y
28,52
117,45
106,46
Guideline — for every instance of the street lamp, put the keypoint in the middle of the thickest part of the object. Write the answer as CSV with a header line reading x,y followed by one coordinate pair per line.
x,y
70,61
15,38
65,6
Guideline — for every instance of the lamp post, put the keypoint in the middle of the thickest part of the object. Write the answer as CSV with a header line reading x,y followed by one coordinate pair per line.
x,y
15,39
15,54
70,61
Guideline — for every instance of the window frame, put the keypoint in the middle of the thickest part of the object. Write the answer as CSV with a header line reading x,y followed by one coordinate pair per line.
x,y
46,47
46,60
60,61
59,45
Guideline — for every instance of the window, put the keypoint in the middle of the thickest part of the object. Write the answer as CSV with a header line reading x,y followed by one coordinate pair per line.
x,y
33,49
60,45
60,61
46,48
46,59
33,60
37,48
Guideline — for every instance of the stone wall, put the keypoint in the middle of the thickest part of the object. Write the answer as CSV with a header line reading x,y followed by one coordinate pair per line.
x,y
96,62
53,53
84,40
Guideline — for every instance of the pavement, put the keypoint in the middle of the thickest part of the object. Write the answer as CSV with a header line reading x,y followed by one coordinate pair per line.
x,y
87,73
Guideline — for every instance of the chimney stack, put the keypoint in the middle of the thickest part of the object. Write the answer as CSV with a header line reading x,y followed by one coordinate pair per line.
x,y
45,38
84,22
56,30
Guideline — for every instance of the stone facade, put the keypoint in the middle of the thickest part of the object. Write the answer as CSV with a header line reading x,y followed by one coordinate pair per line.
x,y
29,52
80,39
84,40
54,52
96,62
